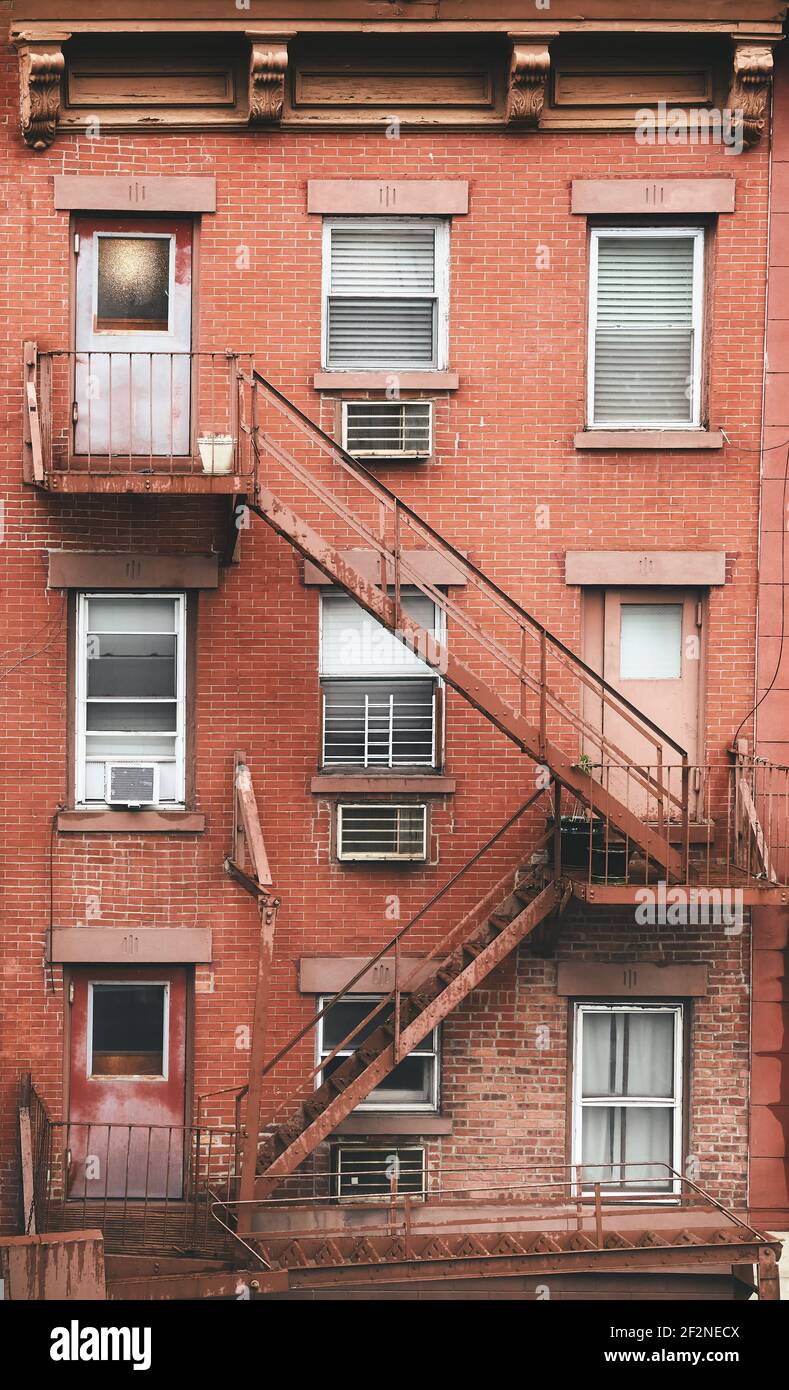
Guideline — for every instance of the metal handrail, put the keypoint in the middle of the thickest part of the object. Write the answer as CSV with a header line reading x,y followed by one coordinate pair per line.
x,y
130,423
396,504
392,944
572,1191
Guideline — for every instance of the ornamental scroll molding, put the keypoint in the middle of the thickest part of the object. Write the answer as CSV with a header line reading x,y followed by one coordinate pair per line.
x,y
530,69
41,67
268,66
752,72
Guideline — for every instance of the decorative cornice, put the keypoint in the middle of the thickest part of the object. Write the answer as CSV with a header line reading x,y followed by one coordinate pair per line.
x,y
268,66
530,68
41,67
752,72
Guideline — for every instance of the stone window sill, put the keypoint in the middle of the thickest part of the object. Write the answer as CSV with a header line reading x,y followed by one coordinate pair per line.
x,y
374,1123
649,439
131,822
379,381
343,783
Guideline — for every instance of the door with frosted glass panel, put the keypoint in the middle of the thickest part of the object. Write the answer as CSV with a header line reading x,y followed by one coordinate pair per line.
x,y
627,1082
649,648
130,692
133,332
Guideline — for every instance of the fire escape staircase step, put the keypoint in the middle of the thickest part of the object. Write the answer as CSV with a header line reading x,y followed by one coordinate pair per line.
x,y
453,980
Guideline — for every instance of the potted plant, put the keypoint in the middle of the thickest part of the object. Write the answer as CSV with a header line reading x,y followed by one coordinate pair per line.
x,y
216,452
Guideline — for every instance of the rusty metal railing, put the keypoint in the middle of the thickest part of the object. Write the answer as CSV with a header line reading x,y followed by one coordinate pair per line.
x,y
560,1196
109,413
542,1220
571,706
404,977
737,834
146,1186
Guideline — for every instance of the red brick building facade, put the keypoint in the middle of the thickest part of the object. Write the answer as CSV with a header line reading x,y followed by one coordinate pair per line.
x,y
575,519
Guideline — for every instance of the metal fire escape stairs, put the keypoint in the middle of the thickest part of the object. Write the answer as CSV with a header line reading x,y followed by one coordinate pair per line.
x,y
542,721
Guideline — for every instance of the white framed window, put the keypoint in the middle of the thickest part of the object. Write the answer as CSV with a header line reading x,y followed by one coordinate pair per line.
x,y
390,832
627,1096
646,294
388,429
385,293
128,1029
414,1082
130,698
380,699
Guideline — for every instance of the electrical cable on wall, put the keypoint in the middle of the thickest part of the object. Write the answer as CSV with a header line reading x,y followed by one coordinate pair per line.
x,y
763,697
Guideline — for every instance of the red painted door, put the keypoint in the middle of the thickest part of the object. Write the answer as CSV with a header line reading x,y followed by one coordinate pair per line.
x,y
652,654
133,336
127,1070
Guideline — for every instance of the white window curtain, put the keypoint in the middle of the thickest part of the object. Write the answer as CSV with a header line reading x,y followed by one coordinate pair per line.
x,y
627,1095
628,1054
645,346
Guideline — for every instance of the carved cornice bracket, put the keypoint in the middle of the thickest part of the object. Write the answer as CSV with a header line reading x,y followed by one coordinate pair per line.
x,y
41,67
752,73
530,69
268,66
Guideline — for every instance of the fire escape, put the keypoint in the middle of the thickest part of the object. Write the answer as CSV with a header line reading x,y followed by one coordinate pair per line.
x,y
651,820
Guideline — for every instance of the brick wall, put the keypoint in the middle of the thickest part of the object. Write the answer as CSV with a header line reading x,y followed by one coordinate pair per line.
x,y
504,448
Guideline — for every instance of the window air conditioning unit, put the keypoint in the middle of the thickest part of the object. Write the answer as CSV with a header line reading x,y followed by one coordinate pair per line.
x,y
382,832
132,784
361,1170
388,429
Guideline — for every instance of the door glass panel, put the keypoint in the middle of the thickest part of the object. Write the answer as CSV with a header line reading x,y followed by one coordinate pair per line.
x,y
650,644
128,1030
133,284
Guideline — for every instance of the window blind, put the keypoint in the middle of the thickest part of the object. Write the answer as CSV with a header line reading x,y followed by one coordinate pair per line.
x,y
644,330
354,644
382,297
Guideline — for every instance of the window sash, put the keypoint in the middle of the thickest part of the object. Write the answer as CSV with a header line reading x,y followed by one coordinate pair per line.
x,y
429,1050
393,658
438,297
86,739
669,1186
372,730
692,420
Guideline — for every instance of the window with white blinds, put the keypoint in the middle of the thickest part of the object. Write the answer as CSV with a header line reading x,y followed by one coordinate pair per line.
x,y
645,317
355,644
379,697
385,293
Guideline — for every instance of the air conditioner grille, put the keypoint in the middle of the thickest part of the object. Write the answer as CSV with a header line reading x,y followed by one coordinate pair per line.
x,y
388,429
382,832
130,783
362,1171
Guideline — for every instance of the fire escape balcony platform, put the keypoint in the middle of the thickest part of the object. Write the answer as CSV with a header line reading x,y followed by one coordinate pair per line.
x,y
161,423
175,484
419,1245
750,892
